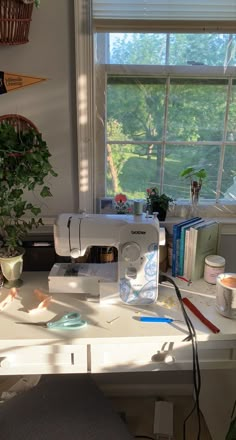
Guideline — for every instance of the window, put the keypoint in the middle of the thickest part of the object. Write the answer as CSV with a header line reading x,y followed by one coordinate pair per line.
x,y
162,96
167,101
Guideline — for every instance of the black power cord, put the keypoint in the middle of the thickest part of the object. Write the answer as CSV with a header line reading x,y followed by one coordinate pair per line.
x,y
196,368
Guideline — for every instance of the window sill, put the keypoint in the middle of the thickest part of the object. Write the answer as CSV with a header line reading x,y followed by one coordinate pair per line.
x,y
222,209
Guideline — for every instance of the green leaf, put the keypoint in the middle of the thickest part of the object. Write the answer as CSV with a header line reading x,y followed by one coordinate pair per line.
x,y
45,192
201,174
187,171
35,210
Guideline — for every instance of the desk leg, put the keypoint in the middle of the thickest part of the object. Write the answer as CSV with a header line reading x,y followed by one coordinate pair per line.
x,y
218,394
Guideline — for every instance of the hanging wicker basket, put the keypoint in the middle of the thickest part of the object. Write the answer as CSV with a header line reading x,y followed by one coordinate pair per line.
x,y
15,18
19,122
21,126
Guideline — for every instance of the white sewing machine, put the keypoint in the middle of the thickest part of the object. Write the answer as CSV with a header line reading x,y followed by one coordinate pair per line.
x,y
130,268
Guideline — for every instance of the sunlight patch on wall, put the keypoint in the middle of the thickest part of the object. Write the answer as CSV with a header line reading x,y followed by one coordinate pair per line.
x,y
82,83
84,182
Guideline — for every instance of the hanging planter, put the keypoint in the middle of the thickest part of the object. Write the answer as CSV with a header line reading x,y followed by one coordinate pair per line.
x,y
15,19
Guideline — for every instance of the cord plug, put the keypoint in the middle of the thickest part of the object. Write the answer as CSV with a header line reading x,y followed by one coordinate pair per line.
x,y
163,420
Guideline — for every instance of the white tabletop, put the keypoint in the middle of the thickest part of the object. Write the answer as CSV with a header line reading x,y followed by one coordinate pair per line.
x,y
119,322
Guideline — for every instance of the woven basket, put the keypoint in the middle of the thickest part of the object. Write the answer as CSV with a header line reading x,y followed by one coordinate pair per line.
x,y
15,18
19,122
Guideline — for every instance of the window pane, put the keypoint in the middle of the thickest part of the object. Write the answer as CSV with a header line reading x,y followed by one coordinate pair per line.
x,y
131,169
229,179
196,110
178,158
231,131
172,49
135,108
138,49
135,112
202,49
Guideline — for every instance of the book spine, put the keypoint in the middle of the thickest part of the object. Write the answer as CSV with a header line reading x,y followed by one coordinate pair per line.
x,y
181,253
192,250
206,244
174,242
186,254
177,256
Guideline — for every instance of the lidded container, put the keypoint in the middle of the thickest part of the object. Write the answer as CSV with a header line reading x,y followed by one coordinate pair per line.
x,y
214,266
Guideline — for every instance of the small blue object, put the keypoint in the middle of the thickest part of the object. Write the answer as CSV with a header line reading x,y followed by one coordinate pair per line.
x,y
155,319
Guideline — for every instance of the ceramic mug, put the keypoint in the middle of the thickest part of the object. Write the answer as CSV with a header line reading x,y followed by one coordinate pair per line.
x,y
226,294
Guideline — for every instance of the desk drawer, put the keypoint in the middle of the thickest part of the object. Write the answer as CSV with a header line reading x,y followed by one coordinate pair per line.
x,y
44,360
160,356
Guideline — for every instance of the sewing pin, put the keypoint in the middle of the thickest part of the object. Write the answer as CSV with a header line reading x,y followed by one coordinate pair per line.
x,y
112,320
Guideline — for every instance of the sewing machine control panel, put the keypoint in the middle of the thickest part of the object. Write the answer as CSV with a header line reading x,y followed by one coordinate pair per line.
x,y
130,251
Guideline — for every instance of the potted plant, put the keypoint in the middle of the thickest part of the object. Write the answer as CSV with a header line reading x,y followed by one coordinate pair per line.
x,y
24,165
196,177
158,203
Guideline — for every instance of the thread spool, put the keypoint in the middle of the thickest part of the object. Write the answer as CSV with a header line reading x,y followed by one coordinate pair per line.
x,y
138,207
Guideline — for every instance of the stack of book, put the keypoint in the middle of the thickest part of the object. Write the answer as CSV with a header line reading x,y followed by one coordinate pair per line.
x,y
193,240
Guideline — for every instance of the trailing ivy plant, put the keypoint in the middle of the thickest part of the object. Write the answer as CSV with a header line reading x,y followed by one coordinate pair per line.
x,y
24,165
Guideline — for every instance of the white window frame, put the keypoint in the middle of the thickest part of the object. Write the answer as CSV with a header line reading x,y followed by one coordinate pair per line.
x,y
91,157
84,61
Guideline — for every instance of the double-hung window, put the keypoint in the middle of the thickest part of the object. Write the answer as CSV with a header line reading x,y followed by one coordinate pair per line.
x,y
164,97
168,103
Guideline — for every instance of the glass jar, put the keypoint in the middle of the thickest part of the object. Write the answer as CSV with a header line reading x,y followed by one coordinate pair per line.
x,y
214,266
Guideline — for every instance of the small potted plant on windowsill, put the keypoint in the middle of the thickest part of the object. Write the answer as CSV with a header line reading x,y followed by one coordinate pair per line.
x,y
158,203
24,165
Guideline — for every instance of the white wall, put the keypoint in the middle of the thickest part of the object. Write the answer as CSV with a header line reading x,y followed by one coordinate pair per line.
x,y
51,104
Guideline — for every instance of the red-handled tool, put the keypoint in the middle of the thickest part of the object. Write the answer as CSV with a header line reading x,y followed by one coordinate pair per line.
x,y
200,316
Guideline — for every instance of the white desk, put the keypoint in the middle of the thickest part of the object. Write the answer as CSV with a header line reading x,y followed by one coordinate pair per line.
x,y
125,344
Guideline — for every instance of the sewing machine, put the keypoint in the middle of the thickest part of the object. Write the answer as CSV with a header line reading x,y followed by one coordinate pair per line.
x,y
113,257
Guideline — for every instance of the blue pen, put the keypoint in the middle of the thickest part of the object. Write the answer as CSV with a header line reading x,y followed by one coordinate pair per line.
x,y
155,319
